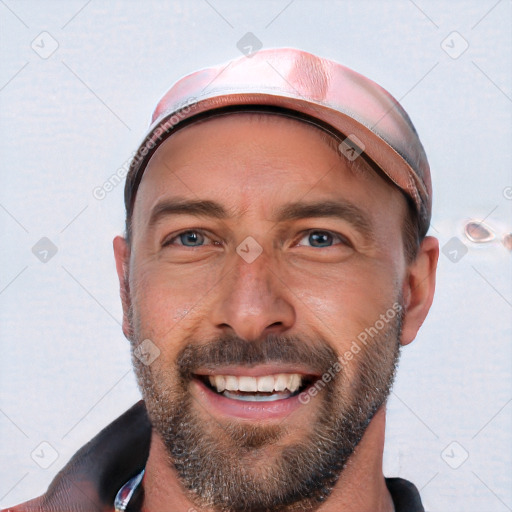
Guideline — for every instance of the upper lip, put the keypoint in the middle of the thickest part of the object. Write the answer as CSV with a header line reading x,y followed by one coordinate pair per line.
x,y
258,370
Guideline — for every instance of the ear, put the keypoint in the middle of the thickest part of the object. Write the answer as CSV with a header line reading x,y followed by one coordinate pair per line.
x,y
122,256
418,288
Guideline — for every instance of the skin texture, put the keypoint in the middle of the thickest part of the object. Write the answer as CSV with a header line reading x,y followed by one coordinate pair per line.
x,y
322,296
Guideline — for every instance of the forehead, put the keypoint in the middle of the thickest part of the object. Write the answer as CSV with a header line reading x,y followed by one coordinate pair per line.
x,y
255,161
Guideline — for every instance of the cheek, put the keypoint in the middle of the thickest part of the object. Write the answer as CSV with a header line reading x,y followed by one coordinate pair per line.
x,y
344,301
168,300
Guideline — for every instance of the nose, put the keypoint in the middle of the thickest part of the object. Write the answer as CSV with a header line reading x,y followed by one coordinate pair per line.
x,y
254,301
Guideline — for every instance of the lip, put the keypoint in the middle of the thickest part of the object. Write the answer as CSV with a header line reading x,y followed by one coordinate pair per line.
x,y
227,407
258,371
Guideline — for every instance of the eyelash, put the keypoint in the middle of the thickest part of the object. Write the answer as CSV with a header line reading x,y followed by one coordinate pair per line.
x,y
168,241
342,239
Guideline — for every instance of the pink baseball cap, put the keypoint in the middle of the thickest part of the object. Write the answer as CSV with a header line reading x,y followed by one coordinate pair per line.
x,y
361,114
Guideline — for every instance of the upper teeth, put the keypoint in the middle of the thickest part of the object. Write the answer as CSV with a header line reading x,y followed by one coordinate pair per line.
x,y
267,383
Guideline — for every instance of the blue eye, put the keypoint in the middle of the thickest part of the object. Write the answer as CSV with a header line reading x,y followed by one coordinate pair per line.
x,y
320,239
186,239
191,238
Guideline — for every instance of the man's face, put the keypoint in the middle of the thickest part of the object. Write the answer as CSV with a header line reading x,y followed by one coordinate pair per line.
x,y
258,259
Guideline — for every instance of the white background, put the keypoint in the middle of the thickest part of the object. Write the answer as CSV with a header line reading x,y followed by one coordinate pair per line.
x,y
70,121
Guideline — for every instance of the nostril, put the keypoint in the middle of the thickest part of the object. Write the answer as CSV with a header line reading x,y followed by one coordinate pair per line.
x,y
274,328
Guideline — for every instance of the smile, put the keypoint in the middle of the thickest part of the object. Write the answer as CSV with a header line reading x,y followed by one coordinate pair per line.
x,y
264,392
264,388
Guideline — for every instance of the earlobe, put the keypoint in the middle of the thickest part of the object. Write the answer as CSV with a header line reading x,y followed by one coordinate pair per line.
x,y
122,257
418,288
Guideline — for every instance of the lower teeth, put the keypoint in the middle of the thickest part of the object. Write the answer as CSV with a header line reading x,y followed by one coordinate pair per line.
x,y
256,397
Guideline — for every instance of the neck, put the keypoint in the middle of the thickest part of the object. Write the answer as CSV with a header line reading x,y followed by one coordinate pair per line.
x,y
360,488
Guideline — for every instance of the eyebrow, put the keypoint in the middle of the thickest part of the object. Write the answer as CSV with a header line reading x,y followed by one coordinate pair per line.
x,y
198,208
288,212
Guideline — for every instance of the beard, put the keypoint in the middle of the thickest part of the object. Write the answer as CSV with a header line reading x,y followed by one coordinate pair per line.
x,y
242,467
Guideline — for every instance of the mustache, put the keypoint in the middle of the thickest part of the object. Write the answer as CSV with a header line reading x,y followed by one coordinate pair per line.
x,y
230,350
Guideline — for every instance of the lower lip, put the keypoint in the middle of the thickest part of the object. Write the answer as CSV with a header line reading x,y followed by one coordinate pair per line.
x,y
223,406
